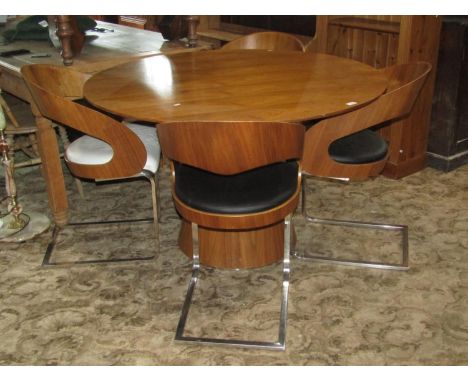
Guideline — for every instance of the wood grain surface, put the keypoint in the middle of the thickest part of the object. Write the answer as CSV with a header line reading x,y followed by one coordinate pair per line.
x,y
52,89
233,240
247,85
276,41
404,85
229,148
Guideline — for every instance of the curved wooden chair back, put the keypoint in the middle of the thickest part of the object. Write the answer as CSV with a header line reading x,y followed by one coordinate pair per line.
x,y
404,85
277,41
53,90
229,148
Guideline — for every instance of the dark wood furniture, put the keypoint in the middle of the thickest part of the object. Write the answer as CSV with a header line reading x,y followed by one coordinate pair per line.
x,y
71,39
221,29
303,25
448,138
140,22
241,85
171,27
102,50
381,41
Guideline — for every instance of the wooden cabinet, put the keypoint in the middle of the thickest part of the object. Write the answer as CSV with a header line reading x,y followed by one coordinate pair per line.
x,y
220,29
448,139
373,41
140,22
382,41
171,27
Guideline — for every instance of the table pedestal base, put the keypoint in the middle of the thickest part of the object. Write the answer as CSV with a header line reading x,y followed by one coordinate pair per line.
x,y
235,249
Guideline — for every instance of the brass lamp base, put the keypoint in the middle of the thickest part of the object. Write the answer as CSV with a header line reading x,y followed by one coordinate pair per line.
x,y
36,224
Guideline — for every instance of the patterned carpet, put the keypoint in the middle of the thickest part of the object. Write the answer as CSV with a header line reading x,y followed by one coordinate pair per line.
x,y
126,313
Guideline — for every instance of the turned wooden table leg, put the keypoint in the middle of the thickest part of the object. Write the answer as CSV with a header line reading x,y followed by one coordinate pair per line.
x,y
193,22
65,33
51,168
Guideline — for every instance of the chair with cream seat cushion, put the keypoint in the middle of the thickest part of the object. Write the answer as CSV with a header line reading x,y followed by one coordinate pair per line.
x,y
92,151
108,150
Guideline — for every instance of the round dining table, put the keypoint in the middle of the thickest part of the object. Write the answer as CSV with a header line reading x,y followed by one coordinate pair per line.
x,y
235,85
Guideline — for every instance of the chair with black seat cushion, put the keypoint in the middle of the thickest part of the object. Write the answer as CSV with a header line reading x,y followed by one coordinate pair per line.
x,y
234,176
349,147
275,41
108,150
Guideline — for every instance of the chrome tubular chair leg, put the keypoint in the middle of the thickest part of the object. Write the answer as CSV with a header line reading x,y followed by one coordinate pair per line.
x,y
403,230
277,345
56,231
154,198
51,246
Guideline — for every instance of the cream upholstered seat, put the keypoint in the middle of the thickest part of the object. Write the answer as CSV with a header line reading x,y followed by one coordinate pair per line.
x,y
92,151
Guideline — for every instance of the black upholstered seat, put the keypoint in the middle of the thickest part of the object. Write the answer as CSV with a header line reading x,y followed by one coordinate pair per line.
x,y
252,191
347,147
365,146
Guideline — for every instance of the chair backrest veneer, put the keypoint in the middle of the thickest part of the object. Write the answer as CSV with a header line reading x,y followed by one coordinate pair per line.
x,y
276,41
229,148
53,90
404,85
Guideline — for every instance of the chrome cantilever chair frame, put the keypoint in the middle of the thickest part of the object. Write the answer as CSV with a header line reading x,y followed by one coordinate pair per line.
x,y
153,178
225,159
402,229
280,343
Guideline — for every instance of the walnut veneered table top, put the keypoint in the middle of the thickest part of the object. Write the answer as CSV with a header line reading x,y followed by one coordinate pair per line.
x,y
235,85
